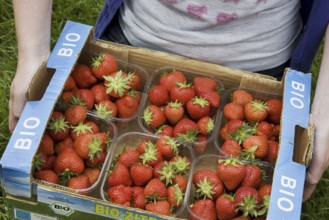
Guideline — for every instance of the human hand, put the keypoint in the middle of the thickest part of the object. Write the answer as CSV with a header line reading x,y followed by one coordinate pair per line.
x,y
320,159
24,74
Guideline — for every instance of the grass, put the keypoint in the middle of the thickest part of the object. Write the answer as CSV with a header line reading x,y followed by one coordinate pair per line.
x,y
86,12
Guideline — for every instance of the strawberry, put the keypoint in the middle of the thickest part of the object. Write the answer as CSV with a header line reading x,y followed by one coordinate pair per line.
x,y
165,130
184,128
274,110
88,146
201,143
69,85
264,129
153,116
75,114
99,91
117,84
223,133
58,129
233,125
181,164
175,196
255,111
155,190
66,143
81,129
206,125
46,145
233,111
166,173
256,145
203,209
158,95
197,107
170,80
119,176
225,207
141,174
241,132
138,200
128,157
134,81
69,160
49,163
120,194
204,84
182,93
151,156
83,76
127,106
247,200
97,161
79,182
161,207
181,181
46,175
273,151
106,108
86,96
265,190
207,184
39,161
167,147
231,172
104,65
231,147
92,174
253,176
241,97
173,111
211,96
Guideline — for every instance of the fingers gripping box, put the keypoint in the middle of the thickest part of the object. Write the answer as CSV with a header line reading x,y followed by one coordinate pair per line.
x,y
26,199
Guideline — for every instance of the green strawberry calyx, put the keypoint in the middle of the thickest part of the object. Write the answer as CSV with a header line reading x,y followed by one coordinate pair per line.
x,y
205,189
58,124
82,128
179,195
97,61
38,162
103,111
167,173
175,104
148,116
94,147
200,101
117,84
210,126
172,143
259,106
244,131
181,165
150,153
249,206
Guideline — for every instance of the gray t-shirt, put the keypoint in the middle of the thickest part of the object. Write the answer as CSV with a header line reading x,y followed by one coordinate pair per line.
x,y
246,34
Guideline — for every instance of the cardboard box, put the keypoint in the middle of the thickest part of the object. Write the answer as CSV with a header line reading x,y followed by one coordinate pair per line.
x,y
26,199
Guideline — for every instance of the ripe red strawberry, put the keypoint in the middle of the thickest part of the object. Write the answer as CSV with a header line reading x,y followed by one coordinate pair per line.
x,y
231,172
129,157
273,151
274,110
201,143
127,106
88,146
181,164
225,207
50,161
247,200
206,125
173,111
161,207
69,160
83,76
207,184
138,200
141,174
135,81
106,109
46,175
58,129
241,96
97,161
165,130
119,176
223,133
233,111
75,114
175,196
231,147
181,181
158,95
70,84
153,116
39,161
211,96
197,108
171,79
166,173
99,91
151,155
204,84
66,143
104,65
264,129
157,168
81,129
46,145
155,190
182,93
245,191
167,147
117,84
79,182
92,174
256,145
253,176
265,190
184,126
233,125
255,111
203,209
120,194
86,96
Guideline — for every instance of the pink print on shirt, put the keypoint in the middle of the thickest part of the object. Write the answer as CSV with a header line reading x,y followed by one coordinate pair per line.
x,y
223,17
196,10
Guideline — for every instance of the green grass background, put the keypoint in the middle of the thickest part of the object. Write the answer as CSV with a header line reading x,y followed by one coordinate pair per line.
x,y
86,12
